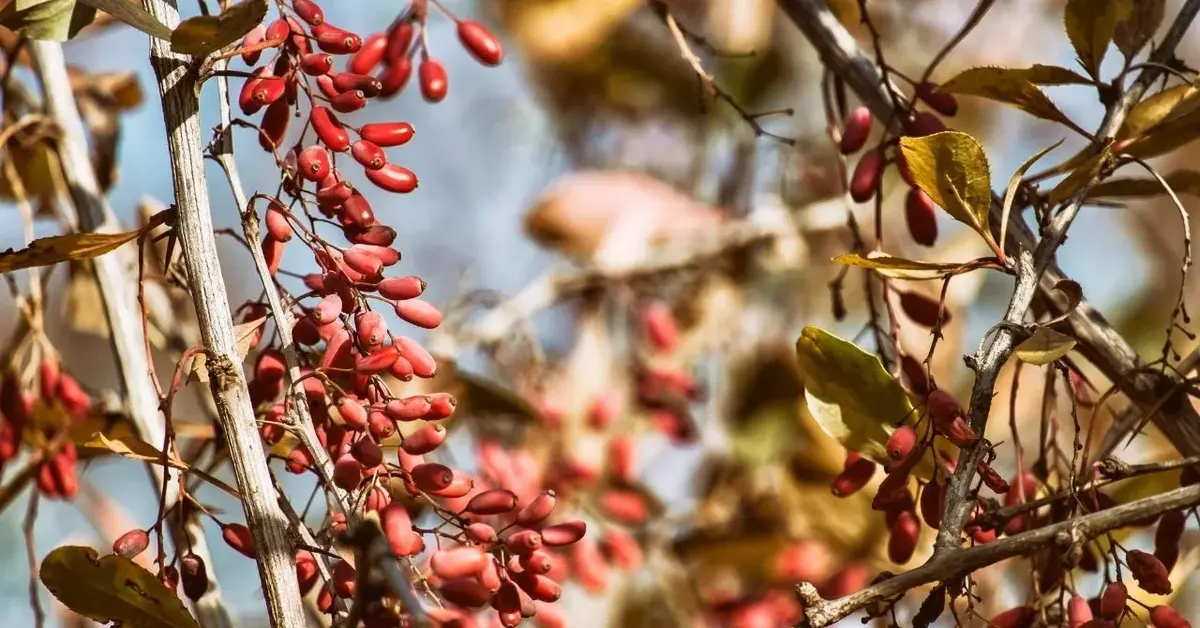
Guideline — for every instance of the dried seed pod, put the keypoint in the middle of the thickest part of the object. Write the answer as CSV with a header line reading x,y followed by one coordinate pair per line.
x,y
991,478
856,130
1150,573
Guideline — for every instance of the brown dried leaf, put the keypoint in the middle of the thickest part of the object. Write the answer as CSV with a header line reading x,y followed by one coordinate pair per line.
x,y
1143,22
205,34
62,248
80,299
137,449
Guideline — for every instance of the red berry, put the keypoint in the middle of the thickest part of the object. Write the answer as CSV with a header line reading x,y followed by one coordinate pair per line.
x,y
387,134
441,406
193,576
537,510
855,475
327,310
945,104
423,364
369,55
358,209
1020,617
400,38
325,84
925,123
1078,611
524,541
432,476
921,215
257,35
348,102
434,80
625,506
369,154
903,539
932,504
272,250
424,440
900,444
857,130
329,129
309,11
660,326
131,543
394,178
480,42
419,313
239,538
395,77
278,30
316,63
336,41
1112,600
314,163
278,226
347,473
274,125
564,533
492,502
864,183
348,81
922,310
1163,616
362,261
401,288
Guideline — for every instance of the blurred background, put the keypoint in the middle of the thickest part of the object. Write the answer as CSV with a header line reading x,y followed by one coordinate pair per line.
x,y
593,144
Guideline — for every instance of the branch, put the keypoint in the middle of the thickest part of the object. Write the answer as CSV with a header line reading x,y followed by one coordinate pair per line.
x,y
181,111
1067,535
119,295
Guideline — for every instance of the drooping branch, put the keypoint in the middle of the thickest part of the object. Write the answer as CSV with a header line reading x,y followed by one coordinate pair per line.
x,y
115,278
179,89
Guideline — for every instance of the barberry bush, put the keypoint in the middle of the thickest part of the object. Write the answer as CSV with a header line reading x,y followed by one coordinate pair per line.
x,y
794,359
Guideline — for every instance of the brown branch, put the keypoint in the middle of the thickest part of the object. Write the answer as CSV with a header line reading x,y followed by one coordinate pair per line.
x,y
179,89
947,568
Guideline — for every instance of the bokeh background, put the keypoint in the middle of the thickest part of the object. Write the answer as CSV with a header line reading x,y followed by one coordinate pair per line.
x,y
602,86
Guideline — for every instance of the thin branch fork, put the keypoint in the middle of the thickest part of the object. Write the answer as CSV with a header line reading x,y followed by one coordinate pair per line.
x,y
948,568
181,111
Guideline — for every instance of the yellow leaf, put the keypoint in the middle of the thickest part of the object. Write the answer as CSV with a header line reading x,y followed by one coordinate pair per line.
x,y
1167,136
1013,86
1182,181
952,168
1013,183
1044,347
208,33
849,394
36,165
1143,21
136,449
1151,111
112,589
1086,172
62,248
79,302
900,268
1091,25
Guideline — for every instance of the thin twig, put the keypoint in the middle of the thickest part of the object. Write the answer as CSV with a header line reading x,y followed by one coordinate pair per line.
x,y
29,528
181,111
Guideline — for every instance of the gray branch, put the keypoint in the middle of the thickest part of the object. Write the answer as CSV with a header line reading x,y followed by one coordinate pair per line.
x,y
179,89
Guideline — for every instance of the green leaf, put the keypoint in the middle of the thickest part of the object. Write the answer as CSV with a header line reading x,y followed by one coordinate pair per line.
x,y
1016,87
1091,25
1013,184
1143,21
900,268
952,168
47,20
849,394
133,15
1081,176
208,33
1044,347
1182,181
112,589
62,248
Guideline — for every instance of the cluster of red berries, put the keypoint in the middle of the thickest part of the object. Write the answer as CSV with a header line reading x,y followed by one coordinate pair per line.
x,y
919,209
56,474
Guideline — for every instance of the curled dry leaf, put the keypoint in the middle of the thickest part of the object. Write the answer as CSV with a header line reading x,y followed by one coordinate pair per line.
x,y
1044,346
112,589
205,34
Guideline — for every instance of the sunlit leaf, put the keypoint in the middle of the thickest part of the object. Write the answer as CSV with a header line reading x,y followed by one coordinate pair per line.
x,y
133,15
1153,110
1167,136
849,393
136,449
1015,182
1081,176
1091,25
62,248
204,34
1182,181
112,589
47,20
1074,294
952,168
1143,21
900,268
1013,86
79,302
1044,346
36,164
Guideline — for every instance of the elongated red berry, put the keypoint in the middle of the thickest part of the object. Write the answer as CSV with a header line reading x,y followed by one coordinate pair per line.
x,y
349,81
272,250
238,537
274,125
348,102
278,226
537,510
524,541
131,543
246,98
423,364
1113,600
441,406
857,129
925,123
434,80
420,313
309,11
424,440
921,215
347,473
193,575
325,85
395,77
932,504
387,134
314,163
1019,617
257,35
401,288
329,130
316,63
480,42
361,260
397,527
1078,611
400,38
943,103
393,178
923,310
564,533
855,475
626,506
370,55
660,326
902,541
336,41
496,501
864,183
1163,616
900,444
369,154
432,476
376,235
327,310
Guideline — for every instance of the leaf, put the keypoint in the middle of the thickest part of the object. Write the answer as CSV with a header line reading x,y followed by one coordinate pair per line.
x,y
1091,25
1013,87
849,394
136,449
1044,347
1153,110
1182,181
133,15
62,248
79,302
1040,74
47,20
1167,136
205,34
1143,21
112,589
952,168
1081,176
1013,183
900,268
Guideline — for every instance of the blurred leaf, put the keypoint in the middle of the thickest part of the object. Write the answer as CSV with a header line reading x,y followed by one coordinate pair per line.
x,y
79,302
1014,183
900,268
1088,171
1013,86
1044,347
112,589
112,425
134,448
205,34
1182,181
952,168
752,555
62,248
47,20
45,419
37,167
1167,136
1143,486
765,422
1091,25
1153,110
133,15
767,435
849,394
1134,32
